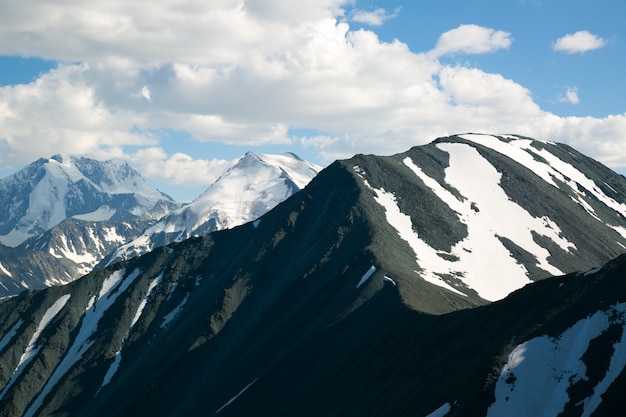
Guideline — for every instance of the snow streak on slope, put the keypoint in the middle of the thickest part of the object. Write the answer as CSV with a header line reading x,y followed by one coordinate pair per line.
x,y
172,314
118,355
538,373
6,338
552,169
229,402
33,348
5,271
427,258
489,215
441,411
93,313
366,276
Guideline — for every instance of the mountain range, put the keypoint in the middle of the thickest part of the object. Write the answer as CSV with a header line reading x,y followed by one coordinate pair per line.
x,y
64,215
246,191
477,275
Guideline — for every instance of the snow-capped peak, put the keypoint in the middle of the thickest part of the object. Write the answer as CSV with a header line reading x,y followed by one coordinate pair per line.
x,y
251,187
50,190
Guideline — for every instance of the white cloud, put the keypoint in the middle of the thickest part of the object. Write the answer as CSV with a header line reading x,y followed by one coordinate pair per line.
x,y
472,39
250,73
570,96
60,112
374,17
579,42
178,169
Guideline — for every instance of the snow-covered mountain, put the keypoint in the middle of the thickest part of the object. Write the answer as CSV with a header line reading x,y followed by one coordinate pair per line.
x,y
60,216
368,292
49,191
249,189
472,206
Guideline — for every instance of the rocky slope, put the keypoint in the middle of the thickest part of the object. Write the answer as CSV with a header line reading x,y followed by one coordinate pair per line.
x,y
366,293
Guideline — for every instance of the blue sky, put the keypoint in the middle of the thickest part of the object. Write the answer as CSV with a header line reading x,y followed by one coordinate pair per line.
x,y
182,88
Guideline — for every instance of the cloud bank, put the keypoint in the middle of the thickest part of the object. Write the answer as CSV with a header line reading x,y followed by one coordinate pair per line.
x,y
257,72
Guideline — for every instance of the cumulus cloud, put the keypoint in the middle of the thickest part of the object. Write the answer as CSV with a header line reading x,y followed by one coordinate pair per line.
x,y
252,73
178,168
579,42
60,112
374,17
570,96
472,39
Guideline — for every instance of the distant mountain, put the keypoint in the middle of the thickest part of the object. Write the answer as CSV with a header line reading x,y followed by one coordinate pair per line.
x,y
366,293
61,216
21,269
105,210
252,187
49,191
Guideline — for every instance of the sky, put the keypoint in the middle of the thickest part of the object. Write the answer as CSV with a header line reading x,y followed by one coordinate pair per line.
x,y
182,88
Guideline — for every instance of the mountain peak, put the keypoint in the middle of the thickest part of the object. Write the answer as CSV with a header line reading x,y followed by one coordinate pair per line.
x,y
59,157
245,192
48,191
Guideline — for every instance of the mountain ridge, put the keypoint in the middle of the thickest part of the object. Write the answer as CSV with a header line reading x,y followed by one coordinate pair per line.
x,y
351,297
247,190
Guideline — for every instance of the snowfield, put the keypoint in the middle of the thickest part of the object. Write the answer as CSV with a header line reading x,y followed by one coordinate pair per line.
x,y
535,379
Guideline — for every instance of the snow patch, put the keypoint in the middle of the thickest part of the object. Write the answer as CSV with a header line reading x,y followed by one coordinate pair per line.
x,y
487,211
522,151
103,213
68,251
535,379
229,402
593,271
366,276
388,279
5,271
114,285
111,235
33,348
619,229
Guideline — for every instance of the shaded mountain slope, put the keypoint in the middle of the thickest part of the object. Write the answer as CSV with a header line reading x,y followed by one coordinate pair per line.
x,y
21,270
328,305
